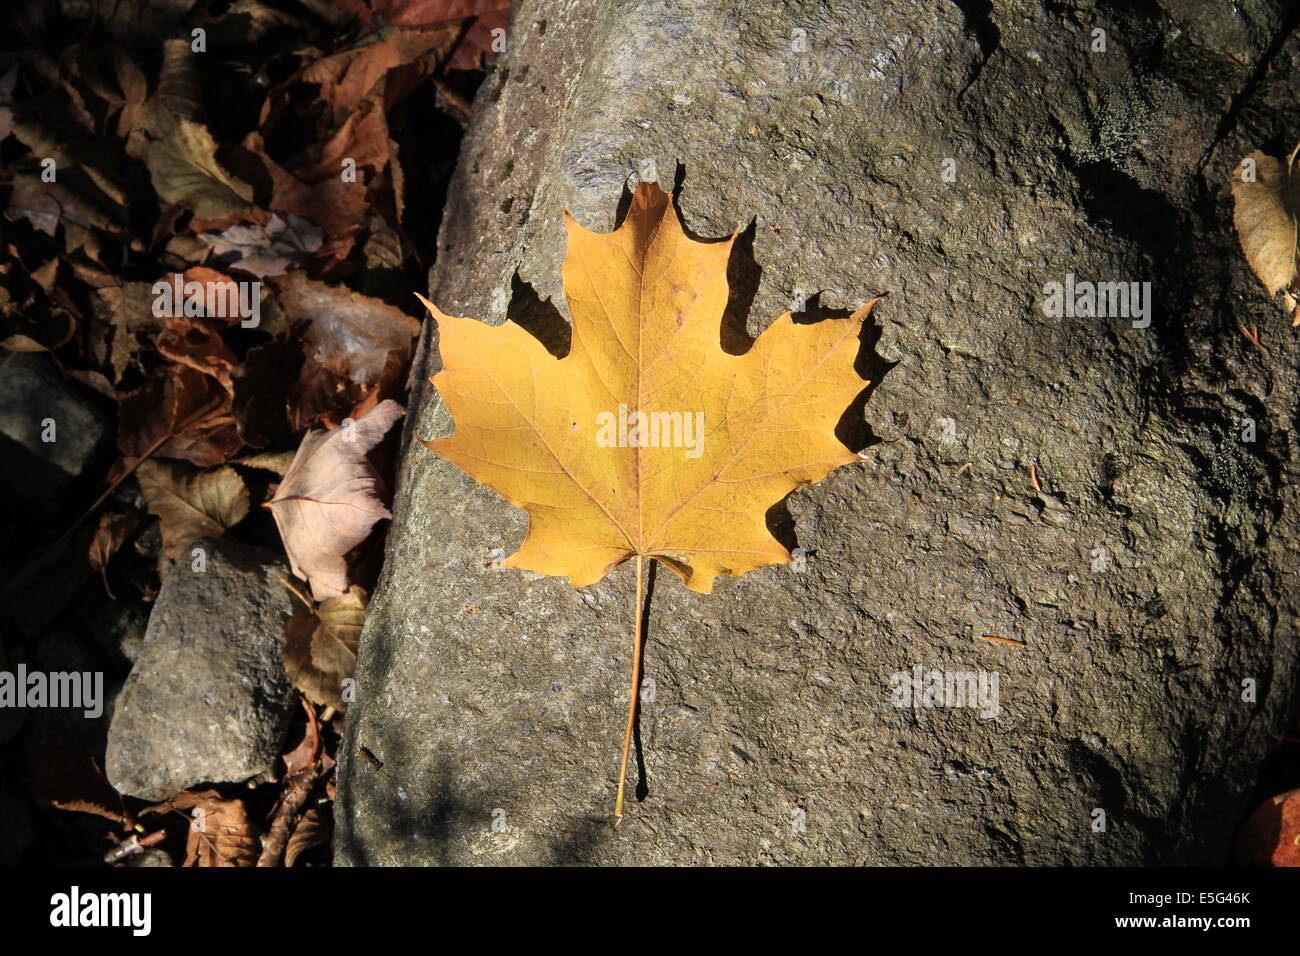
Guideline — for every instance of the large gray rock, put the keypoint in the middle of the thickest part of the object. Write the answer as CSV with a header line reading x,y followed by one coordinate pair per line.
x,y
207,699
1149,572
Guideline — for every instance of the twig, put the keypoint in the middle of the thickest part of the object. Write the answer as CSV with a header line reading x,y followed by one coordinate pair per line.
x,y
1252,336
994,639
286,815
298,594
134,845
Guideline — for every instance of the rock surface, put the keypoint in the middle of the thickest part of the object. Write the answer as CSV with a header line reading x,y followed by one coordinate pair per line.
x,y
207,699
1075,484
32,396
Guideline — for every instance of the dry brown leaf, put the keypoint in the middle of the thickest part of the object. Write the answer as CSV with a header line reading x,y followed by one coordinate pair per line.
x,y
334,645
308,750
221,833
109,536
48,205
320,648
349,333
336,206
185,171
357,349
192,504
196,341
329,499
314,829
1265,216
277,462
318,686
192,408
1271,835
283,243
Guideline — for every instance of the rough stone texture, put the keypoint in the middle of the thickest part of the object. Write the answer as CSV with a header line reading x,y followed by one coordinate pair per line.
x,y
30,392
1152,574
207,699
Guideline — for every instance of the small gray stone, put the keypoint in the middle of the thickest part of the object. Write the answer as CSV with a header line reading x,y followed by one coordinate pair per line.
x,y
207,700
35,404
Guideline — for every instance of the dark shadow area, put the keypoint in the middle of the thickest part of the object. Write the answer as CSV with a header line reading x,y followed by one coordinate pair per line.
x,y
978,15
743,275
643,781
539,317
577,843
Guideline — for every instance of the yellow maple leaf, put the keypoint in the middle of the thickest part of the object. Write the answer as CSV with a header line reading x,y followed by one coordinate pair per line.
x,y
647,439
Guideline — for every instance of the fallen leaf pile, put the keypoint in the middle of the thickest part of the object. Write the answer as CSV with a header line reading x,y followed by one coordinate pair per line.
x,y
212,214
647,439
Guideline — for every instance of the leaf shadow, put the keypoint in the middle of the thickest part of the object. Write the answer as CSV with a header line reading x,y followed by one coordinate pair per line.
x,y
643,781
539,317
852,428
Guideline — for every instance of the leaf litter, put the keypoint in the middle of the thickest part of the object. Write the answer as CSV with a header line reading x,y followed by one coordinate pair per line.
x,y
286,150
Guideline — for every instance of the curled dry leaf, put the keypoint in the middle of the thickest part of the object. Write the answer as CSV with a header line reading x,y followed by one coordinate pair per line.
x,y
196,341
334,646
192,504
1264,212
488,22
128,309
185,172
329,499
356,348
349,333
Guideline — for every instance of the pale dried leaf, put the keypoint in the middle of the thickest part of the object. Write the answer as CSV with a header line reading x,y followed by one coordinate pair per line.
x,y
1265,220
329,499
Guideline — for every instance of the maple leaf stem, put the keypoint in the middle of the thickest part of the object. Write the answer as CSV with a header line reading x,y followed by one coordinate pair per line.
x,y
638,615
